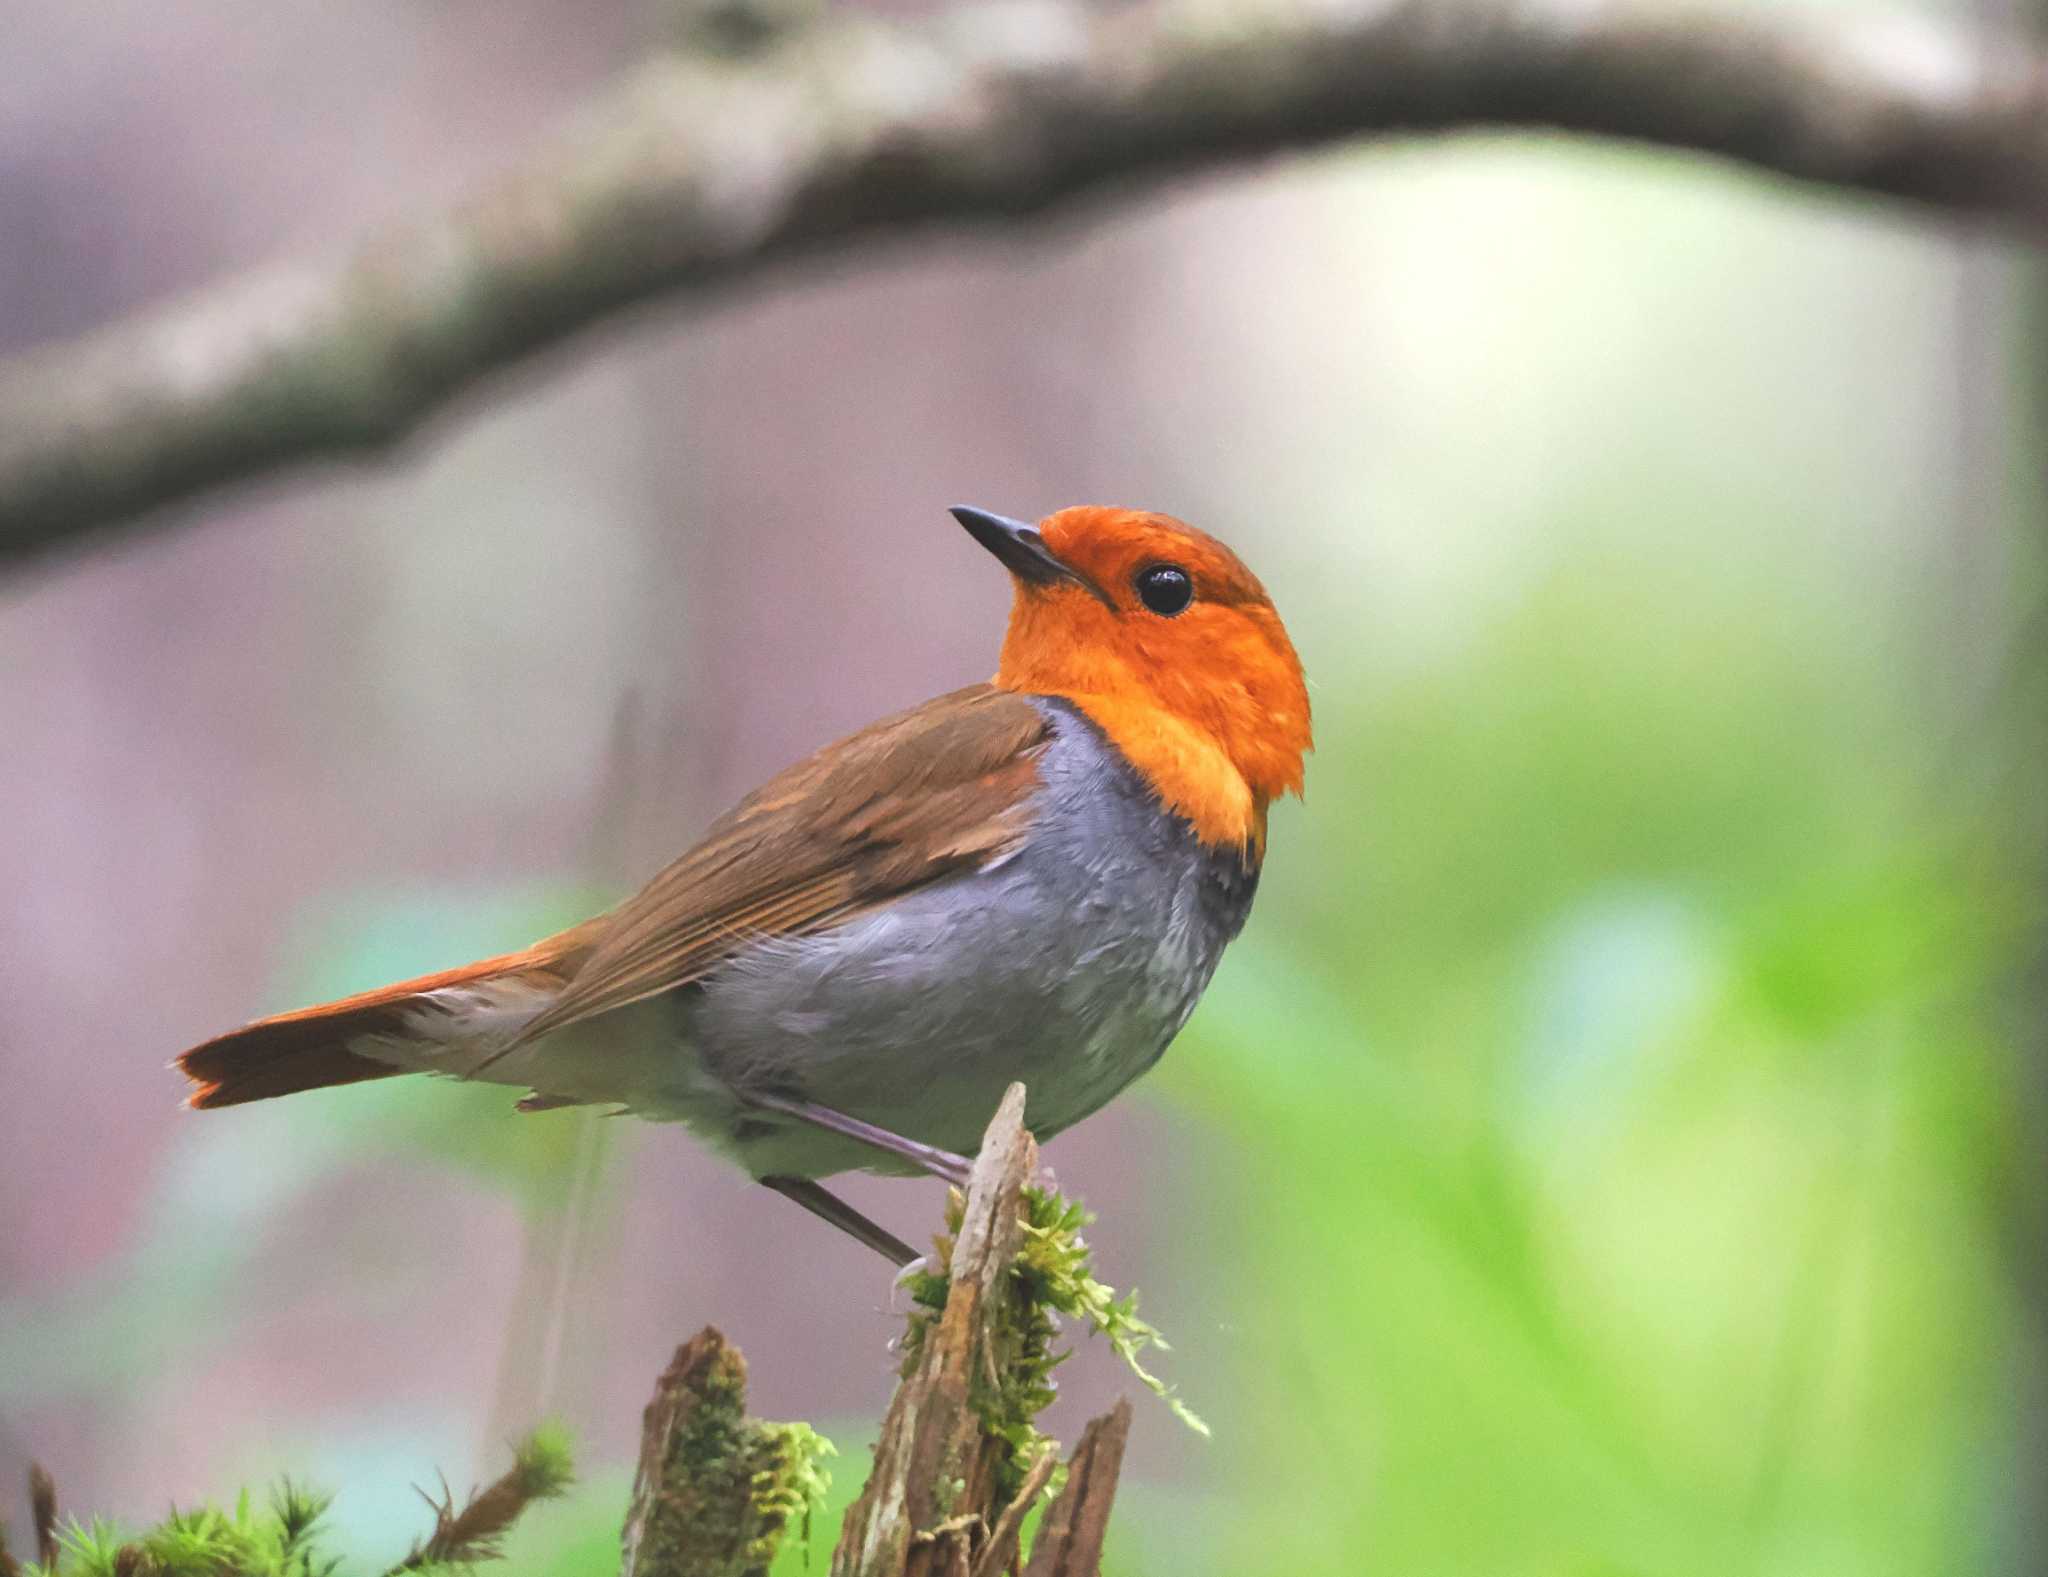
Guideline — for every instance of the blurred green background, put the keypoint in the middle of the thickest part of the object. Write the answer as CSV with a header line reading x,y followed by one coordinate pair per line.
x,y
1612,1148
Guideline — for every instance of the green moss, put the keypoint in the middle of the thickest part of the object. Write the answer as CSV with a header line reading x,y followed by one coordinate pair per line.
x,y
731,1487
281,1538
792,1489
1056,1267
545,1462
205,1541
1052,1277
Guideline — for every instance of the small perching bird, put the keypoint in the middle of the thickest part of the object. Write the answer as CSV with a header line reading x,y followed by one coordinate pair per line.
x,y
1031,879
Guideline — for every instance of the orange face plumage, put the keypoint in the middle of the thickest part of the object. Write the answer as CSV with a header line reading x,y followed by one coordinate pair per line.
x,y
1161,635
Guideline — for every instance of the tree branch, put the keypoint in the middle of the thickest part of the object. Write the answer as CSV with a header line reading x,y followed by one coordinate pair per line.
x,y
932,1493
700,168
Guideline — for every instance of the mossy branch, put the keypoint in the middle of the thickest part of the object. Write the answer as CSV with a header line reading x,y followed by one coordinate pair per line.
x,y
701,168
951,1439
716,1491
961,1461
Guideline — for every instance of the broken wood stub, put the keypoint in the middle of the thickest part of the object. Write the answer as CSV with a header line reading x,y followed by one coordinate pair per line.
x,y
946,1497
933,1479
710,1496
1070,1537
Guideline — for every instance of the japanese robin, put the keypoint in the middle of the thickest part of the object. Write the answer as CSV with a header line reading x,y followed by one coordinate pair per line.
x,y
1030,879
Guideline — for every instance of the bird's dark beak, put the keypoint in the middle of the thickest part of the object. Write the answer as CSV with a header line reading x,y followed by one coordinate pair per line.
x,y
1023,551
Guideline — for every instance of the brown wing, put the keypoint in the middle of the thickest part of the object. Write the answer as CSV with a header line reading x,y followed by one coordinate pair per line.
x,y
910,799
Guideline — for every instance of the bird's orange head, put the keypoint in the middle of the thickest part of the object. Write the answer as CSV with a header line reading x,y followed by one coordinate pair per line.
x,y
1170,645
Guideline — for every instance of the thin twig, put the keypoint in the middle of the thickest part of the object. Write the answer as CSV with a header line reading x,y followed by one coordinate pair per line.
x,y
42,1510
539,1471
1002,1538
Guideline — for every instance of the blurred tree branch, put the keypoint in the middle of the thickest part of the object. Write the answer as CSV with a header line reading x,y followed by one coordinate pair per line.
x,y
706,166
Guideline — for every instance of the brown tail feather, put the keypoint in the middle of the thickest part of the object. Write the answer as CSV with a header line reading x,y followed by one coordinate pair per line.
x,y
269,1059
308,1049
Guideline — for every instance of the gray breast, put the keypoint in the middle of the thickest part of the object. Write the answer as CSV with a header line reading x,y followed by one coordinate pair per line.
x,y
1070,965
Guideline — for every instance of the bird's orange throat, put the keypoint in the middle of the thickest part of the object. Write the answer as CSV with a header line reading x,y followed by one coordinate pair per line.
x,y
1216,721
1193,776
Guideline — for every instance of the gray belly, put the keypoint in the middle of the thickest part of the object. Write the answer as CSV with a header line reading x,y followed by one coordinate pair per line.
x,y
1070,966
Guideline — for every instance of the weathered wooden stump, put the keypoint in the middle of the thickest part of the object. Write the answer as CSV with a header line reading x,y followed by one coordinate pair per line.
x,y
947,1495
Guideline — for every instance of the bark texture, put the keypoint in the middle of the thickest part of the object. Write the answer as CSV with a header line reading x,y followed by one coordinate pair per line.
x,y
946,1497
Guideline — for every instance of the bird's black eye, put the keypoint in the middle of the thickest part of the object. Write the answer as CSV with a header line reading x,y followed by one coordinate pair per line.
x,y
1165,588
